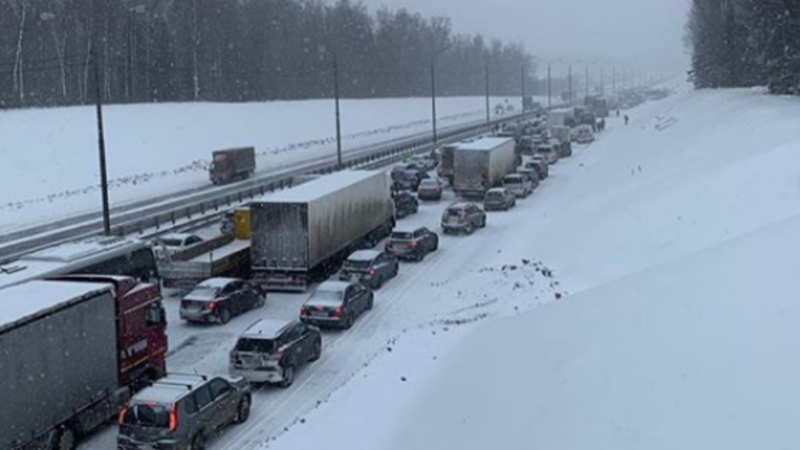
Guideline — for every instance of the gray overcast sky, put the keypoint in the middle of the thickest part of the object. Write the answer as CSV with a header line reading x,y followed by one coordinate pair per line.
x,y
644,33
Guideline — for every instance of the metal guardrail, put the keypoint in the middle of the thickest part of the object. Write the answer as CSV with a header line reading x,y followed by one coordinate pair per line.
x,y
214,207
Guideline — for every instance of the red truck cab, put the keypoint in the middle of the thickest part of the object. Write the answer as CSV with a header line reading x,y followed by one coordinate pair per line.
x,y
141,328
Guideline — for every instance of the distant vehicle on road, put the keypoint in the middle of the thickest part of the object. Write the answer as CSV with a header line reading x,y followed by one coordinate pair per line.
x,y
183,412
337,304
499,199
218,300
405,204
531,175
540,165
413,244
72,352
271,351
372,268
175,242
584,134
463,218
423,162
519,185
482,164
430,190
549,152
232,164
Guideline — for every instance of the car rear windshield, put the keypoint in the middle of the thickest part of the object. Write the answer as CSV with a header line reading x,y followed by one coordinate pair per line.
x,y
357,265
147,416
513,180
172,242
429,184
402,235
494,195
255,345
454,212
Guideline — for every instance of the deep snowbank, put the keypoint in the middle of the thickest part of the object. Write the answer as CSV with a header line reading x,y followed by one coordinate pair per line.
x,y
677,237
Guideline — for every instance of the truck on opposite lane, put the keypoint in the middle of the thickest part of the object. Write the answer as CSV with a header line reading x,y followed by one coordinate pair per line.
x,y
305,233
481,165
83,345
232,164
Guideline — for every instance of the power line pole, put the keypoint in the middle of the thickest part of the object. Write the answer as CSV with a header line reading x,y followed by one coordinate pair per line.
x,y
549,87
614,80
602,81
587,81
338,111
101,141
433,101
488,110
570,85
523,88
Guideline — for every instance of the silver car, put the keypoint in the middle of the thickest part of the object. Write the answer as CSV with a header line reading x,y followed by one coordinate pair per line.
x,y
181,412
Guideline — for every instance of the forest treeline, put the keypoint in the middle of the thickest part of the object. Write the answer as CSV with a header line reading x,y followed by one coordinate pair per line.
x,y
739,43
238,50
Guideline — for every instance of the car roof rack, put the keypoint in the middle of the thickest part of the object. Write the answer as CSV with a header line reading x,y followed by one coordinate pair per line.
x,y
171,383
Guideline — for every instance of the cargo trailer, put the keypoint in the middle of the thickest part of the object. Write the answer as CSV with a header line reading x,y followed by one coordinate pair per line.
x,y
482,164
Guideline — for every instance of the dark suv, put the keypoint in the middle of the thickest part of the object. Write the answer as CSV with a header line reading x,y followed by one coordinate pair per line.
x,y
463,218
370,267
414,245
181,412
405,204
271,351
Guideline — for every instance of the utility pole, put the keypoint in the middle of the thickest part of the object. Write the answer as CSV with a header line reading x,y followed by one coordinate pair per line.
x,y
101,141
614,80
602,81
338,111
549,87
587,81
523,88
488,108
570,85
433,101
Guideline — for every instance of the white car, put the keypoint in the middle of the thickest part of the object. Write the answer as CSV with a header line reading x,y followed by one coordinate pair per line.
x,y
518,184
176,242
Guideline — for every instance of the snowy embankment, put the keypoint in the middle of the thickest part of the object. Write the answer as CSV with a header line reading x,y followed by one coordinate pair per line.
x,y
676,241
50,163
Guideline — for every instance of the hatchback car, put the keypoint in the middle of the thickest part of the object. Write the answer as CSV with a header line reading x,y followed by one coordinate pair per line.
x,y
549,152
531,175
172,243
405,204
271,351
414,244
518,184
182,412
540,164
499,199
430,190
371,268
463,218
218,300
337,304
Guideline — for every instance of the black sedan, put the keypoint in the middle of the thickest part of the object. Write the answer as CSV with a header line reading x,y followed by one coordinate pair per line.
x,y
337,304
217,300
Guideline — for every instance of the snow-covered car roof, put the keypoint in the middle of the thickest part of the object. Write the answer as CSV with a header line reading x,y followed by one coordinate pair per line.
x,y
267,328
364,255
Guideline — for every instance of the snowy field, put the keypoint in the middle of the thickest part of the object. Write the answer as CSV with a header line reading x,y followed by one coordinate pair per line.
x,y
50,156
675,240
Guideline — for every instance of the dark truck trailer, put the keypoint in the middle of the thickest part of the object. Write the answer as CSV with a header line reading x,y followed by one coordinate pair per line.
x,y
71,354
232,164
305,233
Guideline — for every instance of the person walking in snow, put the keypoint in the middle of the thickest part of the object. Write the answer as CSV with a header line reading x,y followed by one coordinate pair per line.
x,y
627,119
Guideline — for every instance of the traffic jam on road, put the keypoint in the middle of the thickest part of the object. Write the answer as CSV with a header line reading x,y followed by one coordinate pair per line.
x,y
336,239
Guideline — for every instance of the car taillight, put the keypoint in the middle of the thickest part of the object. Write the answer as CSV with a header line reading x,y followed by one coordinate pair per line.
x,y
173,419
212,306
122,415
276,356
339,312
389,244
413,244
372,272
303,310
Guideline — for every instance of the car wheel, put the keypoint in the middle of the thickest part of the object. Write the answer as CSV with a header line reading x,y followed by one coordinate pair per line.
x,y
435,245
198,442
348,321
224,316
64,439
243,411
483,223
371,303
317,350
396,270
288,376
262,301
378,283
469,229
